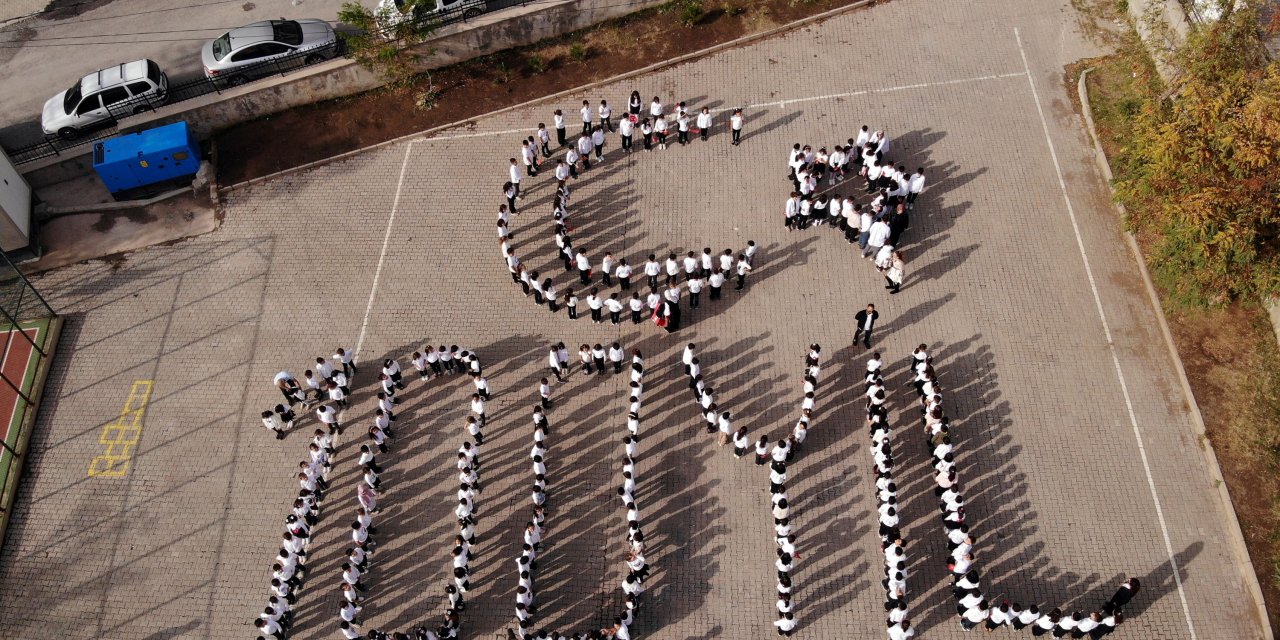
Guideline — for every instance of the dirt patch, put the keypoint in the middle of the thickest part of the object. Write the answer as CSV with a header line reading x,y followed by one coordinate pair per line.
x,y
1230,353
468,89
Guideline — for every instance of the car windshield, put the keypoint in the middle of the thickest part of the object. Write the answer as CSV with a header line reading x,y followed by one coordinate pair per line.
x,y
72,98
287,31
222,46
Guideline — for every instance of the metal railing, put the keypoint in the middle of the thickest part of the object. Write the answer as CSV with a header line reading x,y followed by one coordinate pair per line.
x,y
22,312
53,145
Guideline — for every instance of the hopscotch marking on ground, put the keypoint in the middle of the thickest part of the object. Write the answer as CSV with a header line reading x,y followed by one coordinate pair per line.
x,y
122,435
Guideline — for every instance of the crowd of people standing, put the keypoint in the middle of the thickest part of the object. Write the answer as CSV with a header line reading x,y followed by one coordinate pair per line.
x,y
972,605
637,570
359,556
690,275
892,545
777,456
876,226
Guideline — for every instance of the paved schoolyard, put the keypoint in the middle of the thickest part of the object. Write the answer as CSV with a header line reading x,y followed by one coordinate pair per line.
x,y
395,248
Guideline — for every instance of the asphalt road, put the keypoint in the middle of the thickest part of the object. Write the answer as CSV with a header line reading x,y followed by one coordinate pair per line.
x,y
45,54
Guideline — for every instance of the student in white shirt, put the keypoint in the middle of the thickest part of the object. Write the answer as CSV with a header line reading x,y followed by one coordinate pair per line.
x,y
704,123
915,185
672,269
530,158
607,269
583,263
606,115
637,308
901,630
646,135
584,148
652,269
742,268
586,116
626,129
696,283
786,624
514,176
716,281
735,125
623,273
571,158
597,141
615,307
660,131
272,421
616,354
558,120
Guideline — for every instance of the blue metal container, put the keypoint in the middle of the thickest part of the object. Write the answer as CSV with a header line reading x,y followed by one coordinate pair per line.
x,y
147,161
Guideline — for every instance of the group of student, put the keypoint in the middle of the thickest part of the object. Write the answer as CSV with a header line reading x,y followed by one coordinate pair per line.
x,y
777,456
662,303
288,570
428,363
898,621
637,570
971,604
876,226
326,383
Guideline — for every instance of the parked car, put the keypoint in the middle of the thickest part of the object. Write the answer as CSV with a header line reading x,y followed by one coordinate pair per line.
x,y
97,98
233,56
390,13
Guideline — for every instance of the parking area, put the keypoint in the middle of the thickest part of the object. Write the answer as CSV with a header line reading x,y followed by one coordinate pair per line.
x,y
1080,458
43,55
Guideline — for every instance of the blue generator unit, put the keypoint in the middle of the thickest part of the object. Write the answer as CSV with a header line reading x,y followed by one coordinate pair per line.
x,y
147,163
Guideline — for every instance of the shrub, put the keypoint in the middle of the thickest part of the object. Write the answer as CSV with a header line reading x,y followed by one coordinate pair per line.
x,y
691,12
578,51
1202,174
537,63
377,41
427,99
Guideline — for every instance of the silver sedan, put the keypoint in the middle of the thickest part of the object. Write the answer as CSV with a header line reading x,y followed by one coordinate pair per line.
x,y
244,53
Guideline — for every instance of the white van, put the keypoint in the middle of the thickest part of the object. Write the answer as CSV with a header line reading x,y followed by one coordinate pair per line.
x,y
390,13
102,94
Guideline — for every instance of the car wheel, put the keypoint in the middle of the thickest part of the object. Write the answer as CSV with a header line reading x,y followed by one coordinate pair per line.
x,y
139,109
471,13
68,133
235,81
313,58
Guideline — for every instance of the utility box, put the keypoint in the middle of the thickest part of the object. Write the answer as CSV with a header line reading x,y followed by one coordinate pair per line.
x,y
147,163
15,201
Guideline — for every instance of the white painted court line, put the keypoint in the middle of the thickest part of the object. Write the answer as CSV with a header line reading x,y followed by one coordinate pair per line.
x,y
382,256
850,94
1106,328
778,103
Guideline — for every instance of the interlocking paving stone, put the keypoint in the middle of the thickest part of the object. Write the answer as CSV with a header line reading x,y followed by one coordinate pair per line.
x,y
995,284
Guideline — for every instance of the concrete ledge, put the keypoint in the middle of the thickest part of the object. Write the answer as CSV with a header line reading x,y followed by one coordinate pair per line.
x,y
49,213
426,133
1237,540
489,33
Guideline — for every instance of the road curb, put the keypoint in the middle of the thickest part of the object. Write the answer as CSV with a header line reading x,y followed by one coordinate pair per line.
x,y
427,133
1237,539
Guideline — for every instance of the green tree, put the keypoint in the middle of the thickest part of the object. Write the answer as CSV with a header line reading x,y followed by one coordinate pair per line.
x,y
1203,171
382,40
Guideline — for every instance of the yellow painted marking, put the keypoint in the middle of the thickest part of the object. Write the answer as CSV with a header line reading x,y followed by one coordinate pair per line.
x,y
120,436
